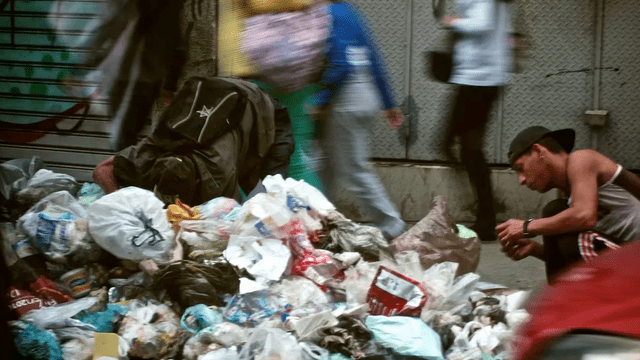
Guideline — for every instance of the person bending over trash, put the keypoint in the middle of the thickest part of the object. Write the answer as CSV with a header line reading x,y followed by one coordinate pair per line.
x,y
218,135
602,211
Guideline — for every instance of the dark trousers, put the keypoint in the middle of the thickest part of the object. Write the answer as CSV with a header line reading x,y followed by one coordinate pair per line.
x,y
468,121
561,250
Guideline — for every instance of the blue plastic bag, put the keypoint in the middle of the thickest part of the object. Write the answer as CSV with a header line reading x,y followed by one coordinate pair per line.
x,y
406,336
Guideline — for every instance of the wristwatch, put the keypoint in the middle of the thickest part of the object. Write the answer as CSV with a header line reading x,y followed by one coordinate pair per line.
x,y
525,231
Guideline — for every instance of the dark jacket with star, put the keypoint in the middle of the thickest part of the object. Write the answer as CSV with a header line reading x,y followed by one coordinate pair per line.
x,y
218,134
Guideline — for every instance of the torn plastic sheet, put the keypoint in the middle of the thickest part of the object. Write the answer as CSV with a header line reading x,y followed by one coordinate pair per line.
x,y
262,258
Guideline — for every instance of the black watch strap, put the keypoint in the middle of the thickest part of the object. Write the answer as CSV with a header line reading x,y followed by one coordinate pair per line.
x,y
525,231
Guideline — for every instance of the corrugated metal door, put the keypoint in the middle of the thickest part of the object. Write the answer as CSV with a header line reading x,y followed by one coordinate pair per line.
x,y
42,113
619,86
557,86
583,57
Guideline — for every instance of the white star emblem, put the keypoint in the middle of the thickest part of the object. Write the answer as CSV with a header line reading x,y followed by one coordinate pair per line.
x,y
205,112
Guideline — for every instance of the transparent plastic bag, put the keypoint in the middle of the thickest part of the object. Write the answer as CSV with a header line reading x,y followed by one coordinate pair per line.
x,y
208,238
254,307
45,182
82,348
151,329
299,292
357,281
199,317
271,343
437,239
58,227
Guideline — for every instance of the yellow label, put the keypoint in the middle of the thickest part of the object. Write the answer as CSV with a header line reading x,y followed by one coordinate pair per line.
x,y
106,345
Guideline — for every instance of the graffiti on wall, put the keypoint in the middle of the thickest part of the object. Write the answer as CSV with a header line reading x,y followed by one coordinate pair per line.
x,y
41,44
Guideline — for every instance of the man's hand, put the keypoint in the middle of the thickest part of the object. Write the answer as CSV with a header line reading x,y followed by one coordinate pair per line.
x,y
510,230
521,248
449,21
394,117
514,244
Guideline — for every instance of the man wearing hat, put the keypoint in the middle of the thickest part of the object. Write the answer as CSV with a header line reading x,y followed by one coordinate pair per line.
x,y
602,212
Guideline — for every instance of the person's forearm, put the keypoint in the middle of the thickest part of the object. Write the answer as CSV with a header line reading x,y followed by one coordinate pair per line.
x,y
568,221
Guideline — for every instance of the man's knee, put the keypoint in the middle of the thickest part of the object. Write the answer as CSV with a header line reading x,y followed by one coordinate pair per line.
x,y
554,207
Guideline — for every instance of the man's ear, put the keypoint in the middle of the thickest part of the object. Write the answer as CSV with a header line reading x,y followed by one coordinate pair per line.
x,y
537,150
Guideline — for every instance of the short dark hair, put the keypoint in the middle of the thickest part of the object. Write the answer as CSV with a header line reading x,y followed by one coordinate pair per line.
x,y
550,143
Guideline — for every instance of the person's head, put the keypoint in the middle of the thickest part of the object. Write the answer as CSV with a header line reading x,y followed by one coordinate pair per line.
x,y
532,153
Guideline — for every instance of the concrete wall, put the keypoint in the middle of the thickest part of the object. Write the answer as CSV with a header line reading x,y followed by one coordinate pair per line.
x,y
413,187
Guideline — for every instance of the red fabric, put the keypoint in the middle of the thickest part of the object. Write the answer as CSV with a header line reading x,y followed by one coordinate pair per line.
x,y
602,295
104,176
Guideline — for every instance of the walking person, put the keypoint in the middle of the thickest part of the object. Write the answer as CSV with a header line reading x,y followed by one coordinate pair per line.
x,y
481,64
354,88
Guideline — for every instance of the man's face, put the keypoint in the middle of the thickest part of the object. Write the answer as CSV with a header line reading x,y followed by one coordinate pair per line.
x,y
533,171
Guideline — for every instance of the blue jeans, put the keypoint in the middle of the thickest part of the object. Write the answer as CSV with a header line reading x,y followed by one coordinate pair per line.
x,y
345,144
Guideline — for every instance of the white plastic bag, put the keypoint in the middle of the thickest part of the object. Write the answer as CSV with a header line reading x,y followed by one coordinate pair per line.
x,y
222,354
271,343
59,316
301,190
261,216
284,201
57,226
131,224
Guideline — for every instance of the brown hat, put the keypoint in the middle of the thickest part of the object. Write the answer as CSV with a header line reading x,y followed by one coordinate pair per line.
x,y
529,136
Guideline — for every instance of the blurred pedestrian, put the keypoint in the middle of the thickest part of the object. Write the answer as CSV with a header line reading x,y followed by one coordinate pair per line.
x,y
354,88
602,212
481,63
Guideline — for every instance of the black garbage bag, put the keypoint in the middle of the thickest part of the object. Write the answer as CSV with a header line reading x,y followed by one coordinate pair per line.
x,y
190,283
349,337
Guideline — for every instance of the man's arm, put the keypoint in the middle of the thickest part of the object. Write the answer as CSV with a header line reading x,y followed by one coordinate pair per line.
x,y
582,172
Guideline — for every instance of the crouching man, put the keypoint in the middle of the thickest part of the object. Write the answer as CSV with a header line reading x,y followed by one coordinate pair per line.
x,y
602,211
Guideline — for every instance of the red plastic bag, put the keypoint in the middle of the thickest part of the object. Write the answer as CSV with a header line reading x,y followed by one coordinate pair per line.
x,y
307,260
392,293
44,292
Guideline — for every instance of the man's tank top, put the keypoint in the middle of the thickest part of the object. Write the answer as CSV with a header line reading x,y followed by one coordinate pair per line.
x,y
618,212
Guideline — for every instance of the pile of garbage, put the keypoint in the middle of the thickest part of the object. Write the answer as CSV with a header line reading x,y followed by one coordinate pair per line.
x,y
281,276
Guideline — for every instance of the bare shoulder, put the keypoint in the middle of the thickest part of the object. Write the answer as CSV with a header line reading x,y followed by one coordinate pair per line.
x,y
591,161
